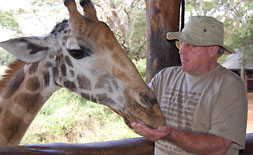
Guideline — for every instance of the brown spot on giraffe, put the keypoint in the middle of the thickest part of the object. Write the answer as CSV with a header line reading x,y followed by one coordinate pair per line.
x,y
84,82
65,38
29,101
48,65
70,85
14,130
104,99
46,77
85,96
68,61
102,81
34,67
63,70
72,73
33,84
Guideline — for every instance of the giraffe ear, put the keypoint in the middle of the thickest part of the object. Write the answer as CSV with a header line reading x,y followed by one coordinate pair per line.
x,y
27,49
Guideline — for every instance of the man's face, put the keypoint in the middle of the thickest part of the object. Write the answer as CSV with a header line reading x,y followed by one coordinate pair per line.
x,y
197,60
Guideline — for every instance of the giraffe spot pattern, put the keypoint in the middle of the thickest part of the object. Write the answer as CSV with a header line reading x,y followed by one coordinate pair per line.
x,y
72,73
48,65
46,77
14,85
33,68
14,127
29,101
55,72
85,96
65,38
104,99
83,82
93,99
68,61
103,81
33,84
63,70
59,27
70,85
89,97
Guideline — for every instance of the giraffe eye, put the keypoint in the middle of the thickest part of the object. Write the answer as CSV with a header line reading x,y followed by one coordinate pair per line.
x,y
80,53
77,54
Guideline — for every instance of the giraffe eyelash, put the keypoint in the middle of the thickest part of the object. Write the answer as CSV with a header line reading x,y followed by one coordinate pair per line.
x,y
80,53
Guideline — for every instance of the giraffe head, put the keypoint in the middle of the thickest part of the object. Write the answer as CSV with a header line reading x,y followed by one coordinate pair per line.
x,y
85,57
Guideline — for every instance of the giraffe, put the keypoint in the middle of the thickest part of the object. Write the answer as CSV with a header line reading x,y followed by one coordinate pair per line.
x,y
82,55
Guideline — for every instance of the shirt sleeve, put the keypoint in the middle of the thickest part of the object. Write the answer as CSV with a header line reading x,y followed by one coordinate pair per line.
x,y
229,114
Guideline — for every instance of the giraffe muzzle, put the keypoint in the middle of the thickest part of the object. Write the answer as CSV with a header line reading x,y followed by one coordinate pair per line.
x,y
146,111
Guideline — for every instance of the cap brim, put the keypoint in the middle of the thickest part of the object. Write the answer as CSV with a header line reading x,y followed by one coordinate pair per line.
x,y
190,38
228,49
173,35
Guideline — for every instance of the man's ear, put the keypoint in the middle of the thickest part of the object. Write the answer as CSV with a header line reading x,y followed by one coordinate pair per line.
x,y
213,51
27,49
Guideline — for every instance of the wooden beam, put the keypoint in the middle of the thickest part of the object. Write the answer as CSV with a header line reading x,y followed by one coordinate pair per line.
x,y
162,16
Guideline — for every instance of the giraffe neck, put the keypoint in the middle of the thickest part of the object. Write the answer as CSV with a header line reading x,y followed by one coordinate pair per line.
x,y
21,100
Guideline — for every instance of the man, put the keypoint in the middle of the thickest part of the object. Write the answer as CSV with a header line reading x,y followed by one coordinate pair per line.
x,y
205,105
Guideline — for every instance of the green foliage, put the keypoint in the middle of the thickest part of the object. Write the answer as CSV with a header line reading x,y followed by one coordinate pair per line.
x,y
8,21
5,58
222,58
141,66
242,37
138,38
68,118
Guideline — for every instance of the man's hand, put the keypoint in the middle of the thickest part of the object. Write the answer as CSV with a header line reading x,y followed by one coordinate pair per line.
x,y
195,142
152,134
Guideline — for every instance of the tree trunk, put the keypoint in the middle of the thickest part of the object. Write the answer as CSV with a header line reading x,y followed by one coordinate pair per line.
x,y
162,16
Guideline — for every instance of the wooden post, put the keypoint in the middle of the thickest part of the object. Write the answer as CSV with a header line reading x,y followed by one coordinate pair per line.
x,y
162,16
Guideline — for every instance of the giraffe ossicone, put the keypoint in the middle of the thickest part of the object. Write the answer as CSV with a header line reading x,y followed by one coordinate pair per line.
x,y
82,55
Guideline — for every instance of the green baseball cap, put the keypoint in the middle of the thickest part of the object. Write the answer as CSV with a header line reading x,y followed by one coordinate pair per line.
x,y
202,31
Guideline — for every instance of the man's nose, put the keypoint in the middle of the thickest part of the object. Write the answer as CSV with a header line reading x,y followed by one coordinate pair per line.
x,y
182,50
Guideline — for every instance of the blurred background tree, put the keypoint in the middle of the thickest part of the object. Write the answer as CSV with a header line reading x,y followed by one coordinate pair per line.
x,y
8,22
237,16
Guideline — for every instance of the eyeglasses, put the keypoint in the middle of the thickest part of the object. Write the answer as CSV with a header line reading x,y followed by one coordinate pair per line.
x,y
181,44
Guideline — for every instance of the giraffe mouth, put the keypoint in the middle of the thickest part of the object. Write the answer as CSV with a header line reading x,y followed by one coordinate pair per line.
x,y
130,118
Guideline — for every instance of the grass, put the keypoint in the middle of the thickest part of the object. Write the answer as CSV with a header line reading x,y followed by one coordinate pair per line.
x,y
68,118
